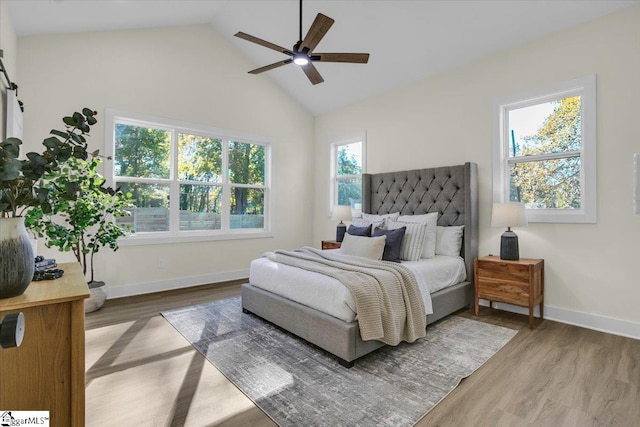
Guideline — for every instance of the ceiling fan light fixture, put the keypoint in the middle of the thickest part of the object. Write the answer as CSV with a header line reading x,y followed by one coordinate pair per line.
x,y
302,53
300,59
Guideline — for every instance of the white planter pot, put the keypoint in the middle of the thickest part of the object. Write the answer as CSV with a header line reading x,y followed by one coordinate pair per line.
x,y
97,296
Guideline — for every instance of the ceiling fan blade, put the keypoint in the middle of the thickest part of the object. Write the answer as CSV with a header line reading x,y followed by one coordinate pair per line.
x,y
312,73
264,43
271,66
318,29
356,58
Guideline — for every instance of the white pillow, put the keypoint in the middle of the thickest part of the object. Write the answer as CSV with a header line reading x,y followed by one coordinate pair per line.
x,y
367,247
449,240
373,217
414,237
431,219
376,221
361,222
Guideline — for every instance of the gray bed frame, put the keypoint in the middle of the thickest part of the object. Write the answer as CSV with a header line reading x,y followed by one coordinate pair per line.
x,y
451,191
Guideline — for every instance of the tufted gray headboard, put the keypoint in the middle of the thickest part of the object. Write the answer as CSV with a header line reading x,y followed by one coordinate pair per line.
x,y
452,191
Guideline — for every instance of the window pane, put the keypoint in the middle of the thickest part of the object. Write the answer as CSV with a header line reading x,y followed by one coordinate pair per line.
x,y
548,184
151,212
200,207
550,127
348,190
247,207
246,163
141,152
199,158
349,159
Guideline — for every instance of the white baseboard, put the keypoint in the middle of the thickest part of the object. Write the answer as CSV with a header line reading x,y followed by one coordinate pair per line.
x,y
177,283
590,321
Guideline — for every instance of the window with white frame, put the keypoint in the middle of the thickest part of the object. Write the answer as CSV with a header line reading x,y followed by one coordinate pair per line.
x,y
189,181
347,166
545,152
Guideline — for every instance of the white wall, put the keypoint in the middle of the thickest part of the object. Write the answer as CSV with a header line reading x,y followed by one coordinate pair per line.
x,y
9,45
447,119
187,73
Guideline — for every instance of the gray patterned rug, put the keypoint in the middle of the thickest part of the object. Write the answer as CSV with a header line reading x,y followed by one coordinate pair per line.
x,y
297,384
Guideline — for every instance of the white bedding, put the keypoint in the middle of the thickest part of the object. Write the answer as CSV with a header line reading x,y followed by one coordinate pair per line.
x,y
328,295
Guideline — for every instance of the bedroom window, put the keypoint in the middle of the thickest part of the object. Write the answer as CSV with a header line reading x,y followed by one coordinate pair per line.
x,y
189,182
545,152
347,166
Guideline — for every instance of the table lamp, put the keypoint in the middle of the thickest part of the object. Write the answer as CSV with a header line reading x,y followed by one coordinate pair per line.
x,y
509,215
342,213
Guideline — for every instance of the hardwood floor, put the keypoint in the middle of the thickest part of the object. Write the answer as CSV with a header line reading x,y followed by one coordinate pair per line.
x,y
142,372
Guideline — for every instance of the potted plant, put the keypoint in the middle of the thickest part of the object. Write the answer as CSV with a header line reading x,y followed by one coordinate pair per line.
x,y
20,191
80,218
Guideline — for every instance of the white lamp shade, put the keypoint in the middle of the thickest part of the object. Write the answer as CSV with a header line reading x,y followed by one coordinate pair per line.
x,y
356,209
508,215
341,213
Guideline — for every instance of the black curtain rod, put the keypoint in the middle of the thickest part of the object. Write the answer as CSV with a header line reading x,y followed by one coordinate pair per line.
x,y
10,84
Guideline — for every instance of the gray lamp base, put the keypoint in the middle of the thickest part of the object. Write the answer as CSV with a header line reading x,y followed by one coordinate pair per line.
x,y
341,229
509,246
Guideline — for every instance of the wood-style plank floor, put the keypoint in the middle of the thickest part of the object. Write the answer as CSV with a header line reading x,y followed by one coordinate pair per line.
x,y
142,372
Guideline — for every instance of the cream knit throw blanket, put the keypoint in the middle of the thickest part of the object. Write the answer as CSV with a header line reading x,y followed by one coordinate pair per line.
x,y
388,301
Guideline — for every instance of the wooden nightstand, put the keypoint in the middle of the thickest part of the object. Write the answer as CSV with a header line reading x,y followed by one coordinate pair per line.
x,y
513,282
330,244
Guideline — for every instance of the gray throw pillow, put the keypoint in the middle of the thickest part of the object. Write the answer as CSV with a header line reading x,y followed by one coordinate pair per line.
x,y
393,244
359,231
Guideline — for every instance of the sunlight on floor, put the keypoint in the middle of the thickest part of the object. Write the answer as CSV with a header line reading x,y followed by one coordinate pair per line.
x,y
144,373
269,378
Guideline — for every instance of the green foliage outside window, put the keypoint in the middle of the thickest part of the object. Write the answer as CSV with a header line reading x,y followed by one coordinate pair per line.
x,y
349,169
550,183
143,168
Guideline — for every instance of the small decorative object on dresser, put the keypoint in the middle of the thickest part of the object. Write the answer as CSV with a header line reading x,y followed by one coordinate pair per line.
x,y
331,244
518,282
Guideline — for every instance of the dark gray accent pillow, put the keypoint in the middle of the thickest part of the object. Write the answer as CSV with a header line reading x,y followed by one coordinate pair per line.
x,y
359,231
393,244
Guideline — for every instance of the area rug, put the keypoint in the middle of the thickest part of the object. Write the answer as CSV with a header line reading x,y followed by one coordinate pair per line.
x,y
298,384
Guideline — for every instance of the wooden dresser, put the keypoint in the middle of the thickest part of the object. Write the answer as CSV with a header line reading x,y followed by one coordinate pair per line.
x,y
46,372
518,282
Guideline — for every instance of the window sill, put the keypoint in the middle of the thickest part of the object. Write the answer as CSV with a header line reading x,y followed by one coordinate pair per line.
x,y
559,216
147,239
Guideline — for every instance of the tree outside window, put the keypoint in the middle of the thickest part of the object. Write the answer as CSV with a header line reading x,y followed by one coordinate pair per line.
x,y
544,167
348,179
545,153
214,184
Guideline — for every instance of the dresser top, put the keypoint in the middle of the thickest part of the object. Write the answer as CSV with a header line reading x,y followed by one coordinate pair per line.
x,y
71,286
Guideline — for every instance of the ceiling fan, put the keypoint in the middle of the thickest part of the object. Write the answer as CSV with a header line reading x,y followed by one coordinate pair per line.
x,y
302,53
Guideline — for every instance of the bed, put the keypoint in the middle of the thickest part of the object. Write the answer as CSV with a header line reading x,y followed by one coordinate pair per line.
x,y
452,191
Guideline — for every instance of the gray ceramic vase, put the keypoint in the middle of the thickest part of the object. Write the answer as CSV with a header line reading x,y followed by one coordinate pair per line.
x,y
16,257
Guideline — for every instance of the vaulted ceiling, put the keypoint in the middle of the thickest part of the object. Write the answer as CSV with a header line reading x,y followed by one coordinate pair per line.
x,y
407,40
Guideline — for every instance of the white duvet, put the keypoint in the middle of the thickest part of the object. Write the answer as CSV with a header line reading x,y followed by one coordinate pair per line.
x,y
328,295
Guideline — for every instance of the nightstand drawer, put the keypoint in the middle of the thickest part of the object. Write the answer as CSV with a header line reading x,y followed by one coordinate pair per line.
x,y
503,291
503,271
